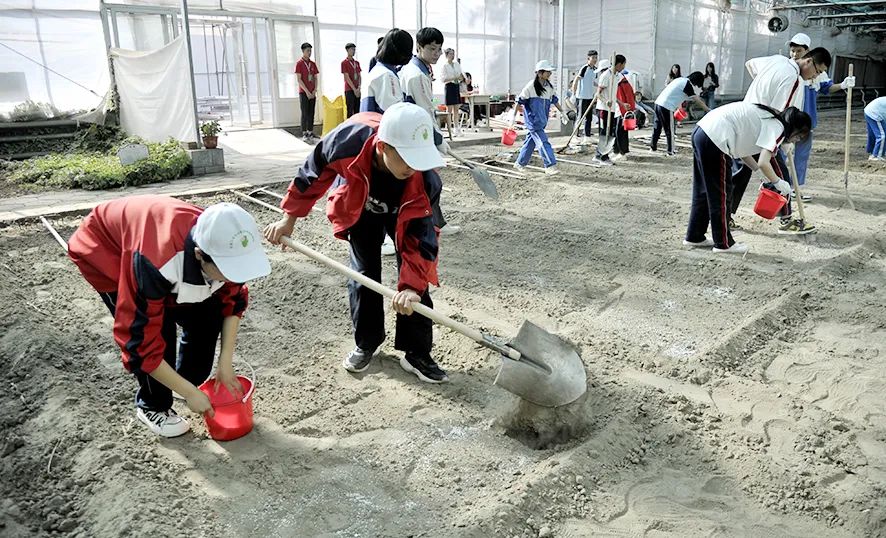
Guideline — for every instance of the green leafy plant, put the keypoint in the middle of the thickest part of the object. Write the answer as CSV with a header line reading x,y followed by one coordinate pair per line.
x,y
210,128
93,170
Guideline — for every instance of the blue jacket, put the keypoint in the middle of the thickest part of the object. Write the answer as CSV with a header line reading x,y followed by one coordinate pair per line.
x,y
537,107
810,101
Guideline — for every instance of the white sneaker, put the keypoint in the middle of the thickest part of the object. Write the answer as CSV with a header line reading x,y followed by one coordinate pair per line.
x,y
617,156
703,243
450,229
519,167
163,423
388,248
737,248
552,170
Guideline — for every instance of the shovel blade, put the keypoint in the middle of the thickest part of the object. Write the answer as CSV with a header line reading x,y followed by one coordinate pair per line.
x,y
482,179
551,372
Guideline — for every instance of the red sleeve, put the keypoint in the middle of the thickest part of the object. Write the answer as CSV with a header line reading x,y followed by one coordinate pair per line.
x,y
344,66
234,298
415,271
300,69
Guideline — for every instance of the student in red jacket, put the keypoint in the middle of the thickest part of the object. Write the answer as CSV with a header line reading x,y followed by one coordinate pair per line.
x,y
158,262
380,168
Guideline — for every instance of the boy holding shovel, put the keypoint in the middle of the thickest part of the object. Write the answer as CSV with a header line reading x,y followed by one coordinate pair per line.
x,y
381,169
158,262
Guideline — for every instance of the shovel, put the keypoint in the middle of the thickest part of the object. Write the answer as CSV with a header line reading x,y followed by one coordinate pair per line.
x,y
480,176
537,366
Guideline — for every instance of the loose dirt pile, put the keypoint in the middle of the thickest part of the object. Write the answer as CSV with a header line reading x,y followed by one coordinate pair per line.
x,y
727,396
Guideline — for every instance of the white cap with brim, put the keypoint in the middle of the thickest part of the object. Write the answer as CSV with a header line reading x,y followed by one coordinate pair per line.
x,y
801,39
229,234
544,65
604,64
408,129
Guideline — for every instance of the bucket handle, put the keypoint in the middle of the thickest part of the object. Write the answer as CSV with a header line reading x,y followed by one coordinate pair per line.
x,y
251,386
631,112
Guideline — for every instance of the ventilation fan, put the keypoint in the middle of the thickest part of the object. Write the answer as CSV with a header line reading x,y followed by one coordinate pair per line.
x,y
724,5
777,24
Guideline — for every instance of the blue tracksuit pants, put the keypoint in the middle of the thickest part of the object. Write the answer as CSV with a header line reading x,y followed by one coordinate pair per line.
x,y
537,138
802,150
876,137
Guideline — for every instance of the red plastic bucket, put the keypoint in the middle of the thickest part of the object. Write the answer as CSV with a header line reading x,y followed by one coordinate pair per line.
x,y
508,136
680,114
233,415
629,122
769,203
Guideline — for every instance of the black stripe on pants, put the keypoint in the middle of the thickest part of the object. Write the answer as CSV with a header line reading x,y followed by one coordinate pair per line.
x,y
711,192
307,112
413,333
662,122
607,134
622,140
201,325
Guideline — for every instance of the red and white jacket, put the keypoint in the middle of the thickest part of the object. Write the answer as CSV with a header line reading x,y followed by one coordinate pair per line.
x,y
343,160
141,247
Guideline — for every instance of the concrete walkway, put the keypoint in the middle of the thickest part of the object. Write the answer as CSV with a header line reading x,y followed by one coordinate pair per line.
x,y
252,158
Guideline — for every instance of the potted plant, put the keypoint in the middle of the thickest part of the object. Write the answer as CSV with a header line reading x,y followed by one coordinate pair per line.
x,y
210,130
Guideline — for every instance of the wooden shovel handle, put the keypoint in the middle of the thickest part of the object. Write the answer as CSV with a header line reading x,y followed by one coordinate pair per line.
x,y
385,291
848,123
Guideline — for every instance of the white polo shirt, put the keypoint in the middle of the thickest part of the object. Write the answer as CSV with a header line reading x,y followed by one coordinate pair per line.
x,y
604,80
776,83
677,91
742,129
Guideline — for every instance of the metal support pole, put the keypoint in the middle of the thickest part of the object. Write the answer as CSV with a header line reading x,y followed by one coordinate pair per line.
x,y
561,56
187,31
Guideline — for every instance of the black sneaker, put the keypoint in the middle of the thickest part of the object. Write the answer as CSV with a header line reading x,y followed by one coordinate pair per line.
x,y
357,360
424,368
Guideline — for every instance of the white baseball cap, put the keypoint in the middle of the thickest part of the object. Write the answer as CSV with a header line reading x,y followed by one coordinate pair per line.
x,y
801,39
228,234
544,65
604,64
408,129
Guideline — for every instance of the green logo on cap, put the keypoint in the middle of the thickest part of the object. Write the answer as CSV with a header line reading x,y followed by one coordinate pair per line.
x,y
424,134
244,241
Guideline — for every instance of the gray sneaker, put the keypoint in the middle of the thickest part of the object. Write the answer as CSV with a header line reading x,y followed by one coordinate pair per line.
x,y
357,360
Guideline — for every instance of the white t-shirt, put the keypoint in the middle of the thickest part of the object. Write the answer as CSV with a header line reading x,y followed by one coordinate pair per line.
x,y
742,129
677,91
604,79
876,109
776,83
451,70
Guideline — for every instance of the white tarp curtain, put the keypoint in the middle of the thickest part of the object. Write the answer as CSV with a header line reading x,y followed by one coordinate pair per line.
x,y
43,44
155,92
690,33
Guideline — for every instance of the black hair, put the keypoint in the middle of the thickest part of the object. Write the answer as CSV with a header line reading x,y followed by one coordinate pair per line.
x,y
395,48
619,59
794,120
696,78
679,73
540,85
819,55
468,75
713,68
350,45
206,257
592,52
428,35
379,40
306,45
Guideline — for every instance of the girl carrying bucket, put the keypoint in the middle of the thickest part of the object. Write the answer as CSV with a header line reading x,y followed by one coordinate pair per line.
x,y
737,130
677,91
536,99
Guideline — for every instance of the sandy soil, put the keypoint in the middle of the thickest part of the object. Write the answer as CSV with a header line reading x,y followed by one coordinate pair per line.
x,y
727,396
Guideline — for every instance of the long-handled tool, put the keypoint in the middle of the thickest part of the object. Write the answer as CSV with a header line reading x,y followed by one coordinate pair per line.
x,y
491,168
515,175
577,126
804,227
58,238
846,143
480,176
537,366
604,148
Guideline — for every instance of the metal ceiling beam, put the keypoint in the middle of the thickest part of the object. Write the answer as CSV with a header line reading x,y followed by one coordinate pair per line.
x,y
844,15
872,23
831,4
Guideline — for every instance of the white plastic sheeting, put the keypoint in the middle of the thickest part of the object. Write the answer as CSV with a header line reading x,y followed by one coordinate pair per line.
x,y
655,34
155,97
66,38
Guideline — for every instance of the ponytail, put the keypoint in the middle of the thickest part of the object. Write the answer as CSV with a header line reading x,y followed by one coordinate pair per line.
x,y
539,86
793,120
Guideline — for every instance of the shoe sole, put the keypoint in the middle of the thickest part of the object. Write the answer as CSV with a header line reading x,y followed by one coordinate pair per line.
x,y
347,366
409,368
703,244
144,420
